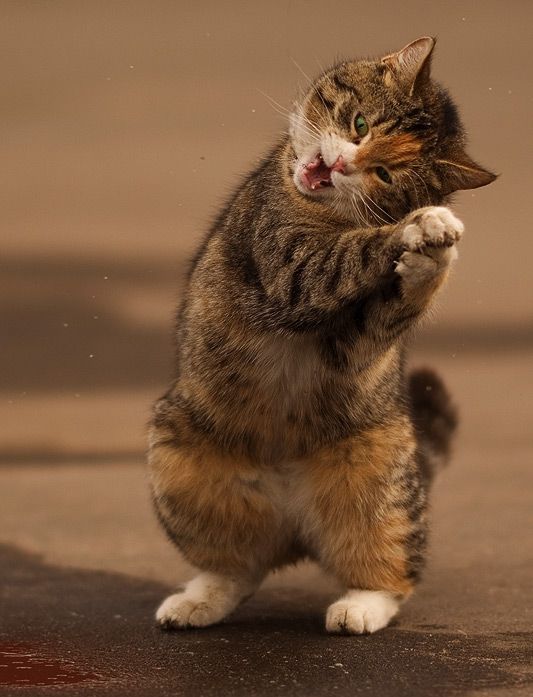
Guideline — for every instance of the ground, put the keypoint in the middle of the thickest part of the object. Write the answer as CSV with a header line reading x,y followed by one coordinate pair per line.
x,y
84,566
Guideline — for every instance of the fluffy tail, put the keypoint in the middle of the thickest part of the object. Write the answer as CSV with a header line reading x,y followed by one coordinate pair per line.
x,y
435,418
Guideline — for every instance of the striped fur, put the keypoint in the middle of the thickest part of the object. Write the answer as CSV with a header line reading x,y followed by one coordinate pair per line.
x,y
289,429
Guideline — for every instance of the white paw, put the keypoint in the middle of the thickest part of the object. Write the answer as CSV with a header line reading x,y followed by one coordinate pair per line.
x,y
361,612
435,226
417,268
180,611
206,600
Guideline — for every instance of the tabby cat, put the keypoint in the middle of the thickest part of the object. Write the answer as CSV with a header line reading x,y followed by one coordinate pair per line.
x,y
290,429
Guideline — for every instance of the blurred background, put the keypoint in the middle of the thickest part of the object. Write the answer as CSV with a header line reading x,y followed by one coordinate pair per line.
x,y
124,127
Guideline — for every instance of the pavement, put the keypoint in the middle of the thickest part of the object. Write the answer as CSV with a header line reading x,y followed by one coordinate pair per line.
x,y
84,566
125,125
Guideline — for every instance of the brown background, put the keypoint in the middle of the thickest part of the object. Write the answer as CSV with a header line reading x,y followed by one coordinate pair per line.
x,y
125,124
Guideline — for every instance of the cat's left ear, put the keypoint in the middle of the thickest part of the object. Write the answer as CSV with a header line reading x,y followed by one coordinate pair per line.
x,y
459,171
411,66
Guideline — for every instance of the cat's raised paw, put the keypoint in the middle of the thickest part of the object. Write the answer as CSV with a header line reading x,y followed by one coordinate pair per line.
x,y
435,226
361,612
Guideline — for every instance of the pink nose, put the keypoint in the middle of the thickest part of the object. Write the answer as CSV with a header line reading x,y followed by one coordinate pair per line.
x,y
339,165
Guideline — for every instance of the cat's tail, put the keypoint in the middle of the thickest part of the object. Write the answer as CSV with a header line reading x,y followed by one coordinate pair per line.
x,y
435,417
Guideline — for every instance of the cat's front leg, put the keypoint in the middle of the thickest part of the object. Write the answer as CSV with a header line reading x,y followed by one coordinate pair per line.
x,y
430,238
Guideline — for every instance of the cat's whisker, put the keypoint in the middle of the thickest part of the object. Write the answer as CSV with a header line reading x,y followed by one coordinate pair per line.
x,y
361,219
378,218
373,203
305,125
299,67
286,113
413,187
413,171
311,125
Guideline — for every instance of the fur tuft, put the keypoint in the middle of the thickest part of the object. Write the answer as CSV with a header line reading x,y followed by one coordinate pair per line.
x,y
435,417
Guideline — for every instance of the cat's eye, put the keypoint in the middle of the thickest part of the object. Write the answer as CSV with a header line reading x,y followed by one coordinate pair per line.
x,y
384,175
360,125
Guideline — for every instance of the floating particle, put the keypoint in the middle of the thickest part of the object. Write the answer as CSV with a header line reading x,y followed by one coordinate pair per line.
x,y
65,324
96,317
131,67
91,355
106,278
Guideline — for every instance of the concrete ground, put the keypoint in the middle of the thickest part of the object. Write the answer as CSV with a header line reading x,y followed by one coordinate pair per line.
x,y
124,125
84,567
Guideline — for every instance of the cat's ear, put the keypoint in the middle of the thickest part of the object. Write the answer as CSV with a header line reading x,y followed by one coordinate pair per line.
x,y
411,66
459,171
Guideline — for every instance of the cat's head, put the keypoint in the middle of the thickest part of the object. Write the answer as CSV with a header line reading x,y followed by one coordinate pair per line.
x,y
377,139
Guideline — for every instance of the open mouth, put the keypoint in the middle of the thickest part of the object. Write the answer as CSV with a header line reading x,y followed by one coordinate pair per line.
x,y
317,175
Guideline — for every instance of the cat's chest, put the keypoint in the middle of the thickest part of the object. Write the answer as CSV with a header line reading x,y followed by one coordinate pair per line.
x,y
288,370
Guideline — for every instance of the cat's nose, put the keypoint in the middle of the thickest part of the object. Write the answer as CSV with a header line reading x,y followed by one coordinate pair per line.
x,y
339,165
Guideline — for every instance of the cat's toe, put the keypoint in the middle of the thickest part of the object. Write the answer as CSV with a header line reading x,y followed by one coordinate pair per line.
x,y
441,227
361,612
175,611
435,226
180,611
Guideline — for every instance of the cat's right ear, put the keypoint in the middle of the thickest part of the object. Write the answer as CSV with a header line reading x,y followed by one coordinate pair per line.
x,y
410,67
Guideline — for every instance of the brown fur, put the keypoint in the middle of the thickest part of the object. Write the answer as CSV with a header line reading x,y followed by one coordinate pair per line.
x,y
390,150
288,430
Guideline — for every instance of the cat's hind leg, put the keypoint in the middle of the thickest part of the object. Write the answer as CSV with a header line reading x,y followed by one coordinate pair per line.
x,y
361,612
207,599
219,511
366,517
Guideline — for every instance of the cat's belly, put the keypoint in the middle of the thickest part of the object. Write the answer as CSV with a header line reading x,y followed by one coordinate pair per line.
x,y
295,403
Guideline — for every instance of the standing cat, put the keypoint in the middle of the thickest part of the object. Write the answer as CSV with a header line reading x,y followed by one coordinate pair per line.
x,y
290,430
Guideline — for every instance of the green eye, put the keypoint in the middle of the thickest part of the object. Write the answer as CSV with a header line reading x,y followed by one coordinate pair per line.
x,y
383,175
361,126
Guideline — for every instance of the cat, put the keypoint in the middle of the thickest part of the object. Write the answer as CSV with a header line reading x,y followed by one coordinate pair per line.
x,y
290,429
